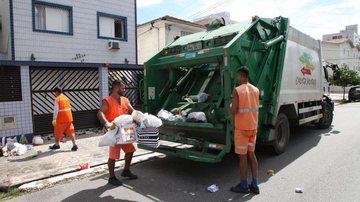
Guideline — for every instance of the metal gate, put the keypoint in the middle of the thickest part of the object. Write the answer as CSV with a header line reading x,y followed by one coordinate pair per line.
x,y
133,78
79,84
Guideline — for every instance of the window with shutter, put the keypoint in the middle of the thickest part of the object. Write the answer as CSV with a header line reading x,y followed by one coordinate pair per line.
x,y
10,84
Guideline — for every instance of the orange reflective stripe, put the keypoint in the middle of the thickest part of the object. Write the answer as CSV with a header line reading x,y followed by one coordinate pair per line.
x,y
64,110
249,110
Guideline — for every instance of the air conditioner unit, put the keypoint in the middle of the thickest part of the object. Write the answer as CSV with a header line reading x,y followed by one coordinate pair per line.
x,y
113,45
7,122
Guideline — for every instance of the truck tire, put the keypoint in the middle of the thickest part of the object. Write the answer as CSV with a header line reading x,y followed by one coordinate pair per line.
x,y
282,134
326,121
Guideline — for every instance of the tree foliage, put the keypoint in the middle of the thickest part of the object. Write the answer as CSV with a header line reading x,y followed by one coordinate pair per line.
x,y
348,77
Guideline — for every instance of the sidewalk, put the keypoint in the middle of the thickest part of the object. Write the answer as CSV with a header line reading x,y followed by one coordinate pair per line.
x,y
41,163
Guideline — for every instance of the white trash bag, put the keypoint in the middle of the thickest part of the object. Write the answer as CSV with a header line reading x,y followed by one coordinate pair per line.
x,y
109,138
152,121
138,116
165,115
126,134
123,120
196,117
37,140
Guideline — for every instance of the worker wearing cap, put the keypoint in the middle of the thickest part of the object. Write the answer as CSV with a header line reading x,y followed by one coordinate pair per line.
x,y
113,106
245,105
62,120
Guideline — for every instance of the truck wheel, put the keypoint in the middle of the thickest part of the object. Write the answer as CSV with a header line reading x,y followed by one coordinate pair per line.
x,y
326,120
282,134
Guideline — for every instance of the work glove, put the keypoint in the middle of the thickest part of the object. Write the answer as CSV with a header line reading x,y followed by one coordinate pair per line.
x,y
54,123
110,126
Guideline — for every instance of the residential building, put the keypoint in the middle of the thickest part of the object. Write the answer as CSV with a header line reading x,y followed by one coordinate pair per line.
x,y
154,35
350,32
207,20
78,45
341,51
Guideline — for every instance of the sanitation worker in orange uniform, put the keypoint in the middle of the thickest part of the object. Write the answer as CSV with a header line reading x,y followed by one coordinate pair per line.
x,y
113,106
62,120
245,105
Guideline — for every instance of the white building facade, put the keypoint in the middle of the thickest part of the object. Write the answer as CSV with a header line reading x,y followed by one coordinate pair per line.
x,y
153,36
350,32
74,44
341,51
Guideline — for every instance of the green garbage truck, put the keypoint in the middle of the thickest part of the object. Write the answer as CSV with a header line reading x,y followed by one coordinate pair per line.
x,y
284,63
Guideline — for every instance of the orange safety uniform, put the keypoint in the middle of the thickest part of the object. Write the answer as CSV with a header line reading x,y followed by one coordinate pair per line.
x,y
64,118
114,110
246,118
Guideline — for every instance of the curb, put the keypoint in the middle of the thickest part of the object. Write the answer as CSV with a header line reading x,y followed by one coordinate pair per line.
x,y
41,184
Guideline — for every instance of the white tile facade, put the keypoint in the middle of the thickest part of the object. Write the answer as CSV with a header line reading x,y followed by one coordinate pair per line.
x,y
103,81
21,109
84,41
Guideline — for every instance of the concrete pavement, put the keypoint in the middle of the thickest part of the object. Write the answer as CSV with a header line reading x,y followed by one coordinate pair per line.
x,y
324,163
41,163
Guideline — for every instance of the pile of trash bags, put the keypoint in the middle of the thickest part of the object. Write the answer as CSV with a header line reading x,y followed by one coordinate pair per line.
x,y
137,127
196,117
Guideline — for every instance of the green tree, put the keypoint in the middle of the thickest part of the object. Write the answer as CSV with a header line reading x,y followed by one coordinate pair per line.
x,y
348,77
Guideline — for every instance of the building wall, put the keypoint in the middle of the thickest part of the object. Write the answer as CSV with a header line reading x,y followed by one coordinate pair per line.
x,y
5,48
148,42
21,109
84,41
341,53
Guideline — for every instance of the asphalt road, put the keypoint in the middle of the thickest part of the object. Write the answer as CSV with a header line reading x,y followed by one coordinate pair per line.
x,y
324,163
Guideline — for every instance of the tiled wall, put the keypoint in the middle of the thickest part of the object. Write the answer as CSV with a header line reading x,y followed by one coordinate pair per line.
x,y
21,110
84,41
103,80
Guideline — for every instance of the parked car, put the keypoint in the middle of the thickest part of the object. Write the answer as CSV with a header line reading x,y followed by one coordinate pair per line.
x,y
354,93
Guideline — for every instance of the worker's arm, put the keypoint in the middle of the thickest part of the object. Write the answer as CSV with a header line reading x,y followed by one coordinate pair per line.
x,y
130,108
234,103
101,116
55,112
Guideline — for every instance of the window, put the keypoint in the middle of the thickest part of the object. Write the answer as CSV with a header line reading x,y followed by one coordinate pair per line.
x,y
52,18
10,84
112,26
184,33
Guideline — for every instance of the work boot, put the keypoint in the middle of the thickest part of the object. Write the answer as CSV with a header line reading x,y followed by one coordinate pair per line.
x,y
254,190
74,148
239,189
129,175
55,146
114,181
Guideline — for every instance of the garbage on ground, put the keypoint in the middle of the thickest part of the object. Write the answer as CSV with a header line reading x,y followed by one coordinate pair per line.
x,y
148,137
299,190
37,140
270,172
14,149
196,117
84,166
213,188
23,140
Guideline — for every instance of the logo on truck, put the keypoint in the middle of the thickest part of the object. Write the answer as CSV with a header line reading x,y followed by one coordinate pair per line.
x,y
308,67
306,70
